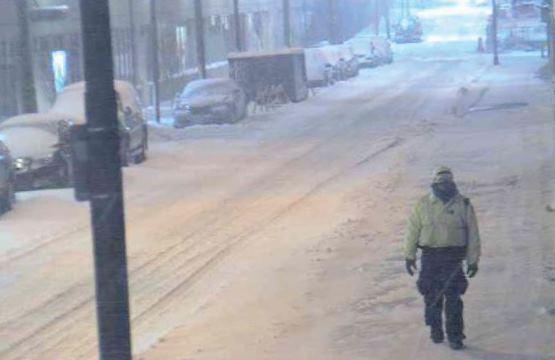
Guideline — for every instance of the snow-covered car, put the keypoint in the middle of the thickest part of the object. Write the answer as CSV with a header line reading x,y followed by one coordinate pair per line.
x,y
338,67
319,71
7,179
133,129
340,60
362,48
522,35
210,101
381,50
408,30
347,55
39,147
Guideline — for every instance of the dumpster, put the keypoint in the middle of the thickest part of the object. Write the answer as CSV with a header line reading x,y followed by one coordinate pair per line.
x,y
258,71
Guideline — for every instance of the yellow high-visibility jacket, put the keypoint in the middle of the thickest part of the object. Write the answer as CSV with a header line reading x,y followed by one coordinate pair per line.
x,y
435,224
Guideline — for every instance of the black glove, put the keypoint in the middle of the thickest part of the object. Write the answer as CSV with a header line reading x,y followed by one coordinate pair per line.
x,y
472,270
410,265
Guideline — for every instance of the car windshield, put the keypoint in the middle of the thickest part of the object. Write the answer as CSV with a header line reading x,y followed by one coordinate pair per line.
x,y
199,90
70,102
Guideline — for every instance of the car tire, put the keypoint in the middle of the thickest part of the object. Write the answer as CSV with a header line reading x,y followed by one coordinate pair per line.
x,y
8,199
243,114
65,175
125,153
141,157
178,123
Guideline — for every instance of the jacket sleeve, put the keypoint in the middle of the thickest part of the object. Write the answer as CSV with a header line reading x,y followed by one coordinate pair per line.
x,y
414,226
473,233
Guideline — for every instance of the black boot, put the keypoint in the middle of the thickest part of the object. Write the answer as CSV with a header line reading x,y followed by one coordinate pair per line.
x,y
436,334
456,344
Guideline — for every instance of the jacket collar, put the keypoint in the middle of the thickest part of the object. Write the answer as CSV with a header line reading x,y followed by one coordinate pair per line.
x,y
434,199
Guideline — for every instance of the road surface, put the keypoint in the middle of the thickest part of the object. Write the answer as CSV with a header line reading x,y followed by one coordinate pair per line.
x,y
281,237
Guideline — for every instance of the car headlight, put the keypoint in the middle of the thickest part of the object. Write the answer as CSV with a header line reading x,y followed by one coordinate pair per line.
x,y
183,106
22,164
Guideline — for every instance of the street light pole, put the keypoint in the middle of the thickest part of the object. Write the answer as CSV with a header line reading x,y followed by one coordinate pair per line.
x,y
332,8
155,60
105,184
201,46
238,30
132,39
387,19
494,32
286,23
25,60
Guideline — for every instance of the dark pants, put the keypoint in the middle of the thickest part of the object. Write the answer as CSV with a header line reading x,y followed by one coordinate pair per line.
x,y
442,282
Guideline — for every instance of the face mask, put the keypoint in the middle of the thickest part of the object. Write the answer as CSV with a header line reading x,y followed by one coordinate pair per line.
x,y
445,190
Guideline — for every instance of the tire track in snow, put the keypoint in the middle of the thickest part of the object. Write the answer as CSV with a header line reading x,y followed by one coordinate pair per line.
x,y
222,252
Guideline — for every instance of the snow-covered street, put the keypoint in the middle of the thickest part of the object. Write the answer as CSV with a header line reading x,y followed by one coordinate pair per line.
x,y
280,237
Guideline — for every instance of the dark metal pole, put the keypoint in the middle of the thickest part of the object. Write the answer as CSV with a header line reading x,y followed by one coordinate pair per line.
x,y
332,21
377,17
286,23
201,47
388,20
105,184
134,67
549,30
494,32
238,30
25,60
155,60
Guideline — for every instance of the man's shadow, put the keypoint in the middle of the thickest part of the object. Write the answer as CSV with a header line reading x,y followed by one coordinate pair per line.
x,y
480,354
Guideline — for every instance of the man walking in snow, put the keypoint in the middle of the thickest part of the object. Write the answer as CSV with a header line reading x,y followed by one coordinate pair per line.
x,y
444,226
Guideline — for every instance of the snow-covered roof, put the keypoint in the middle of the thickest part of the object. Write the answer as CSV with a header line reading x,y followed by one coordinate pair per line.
x,y
251,54
71,99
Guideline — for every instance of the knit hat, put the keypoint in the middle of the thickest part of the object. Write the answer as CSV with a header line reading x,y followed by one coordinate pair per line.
x,y
443,174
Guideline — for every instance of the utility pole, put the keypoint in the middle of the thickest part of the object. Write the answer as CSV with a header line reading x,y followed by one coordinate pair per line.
x,y
238,30
332,26
494,33
134,67
105,184
377,17
201,47
155,58
305,23
387,16
286,23
28,94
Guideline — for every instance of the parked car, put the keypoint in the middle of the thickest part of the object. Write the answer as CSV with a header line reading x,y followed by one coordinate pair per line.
x,y
319,70
350,60
341,59
133,128
381,50
210,101
362,47
7,179
39,147
338,67
408,30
